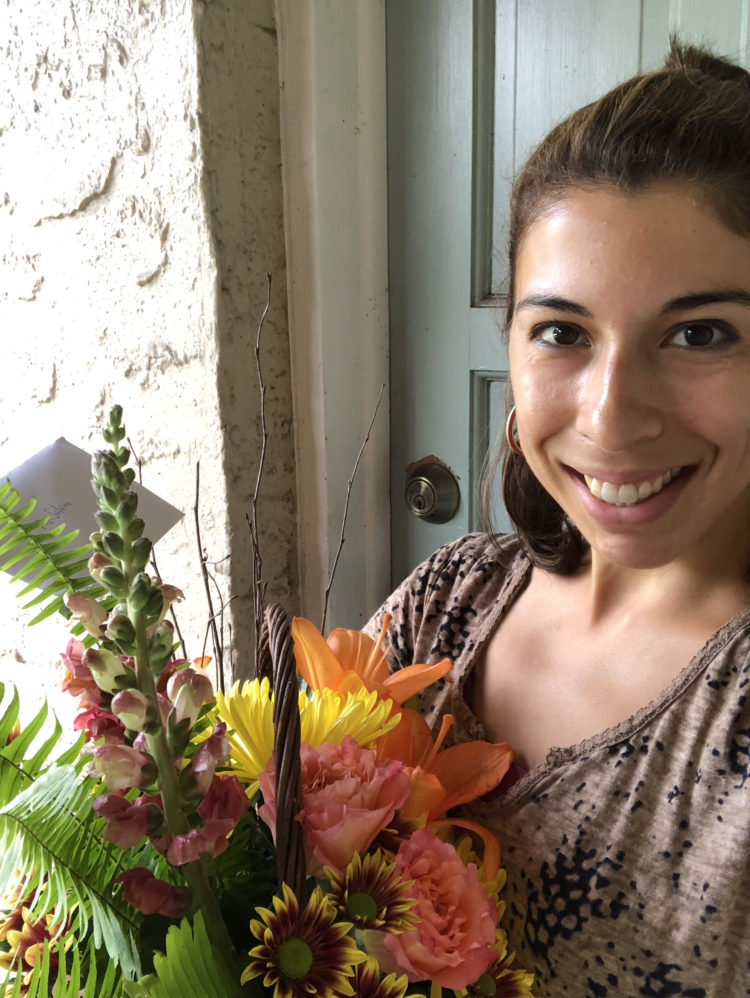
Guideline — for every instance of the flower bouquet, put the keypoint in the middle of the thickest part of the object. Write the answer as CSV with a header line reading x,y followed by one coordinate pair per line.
x,y
294,836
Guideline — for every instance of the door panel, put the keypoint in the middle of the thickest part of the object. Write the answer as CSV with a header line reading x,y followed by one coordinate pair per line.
x,y
472,86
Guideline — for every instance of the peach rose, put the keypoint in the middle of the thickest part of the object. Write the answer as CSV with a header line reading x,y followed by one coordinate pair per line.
x,y
348,797
453,944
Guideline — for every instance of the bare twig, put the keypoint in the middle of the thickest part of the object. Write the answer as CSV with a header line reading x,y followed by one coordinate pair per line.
x,y
215,637
220,616
155,567
259,589
349,485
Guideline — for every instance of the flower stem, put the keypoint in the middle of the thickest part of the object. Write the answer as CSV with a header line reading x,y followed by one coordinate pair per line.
x,y
174,815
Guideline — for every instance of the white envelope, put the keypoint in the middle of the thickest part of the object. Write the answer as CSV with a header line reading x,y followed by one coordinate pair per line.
x,y
59,478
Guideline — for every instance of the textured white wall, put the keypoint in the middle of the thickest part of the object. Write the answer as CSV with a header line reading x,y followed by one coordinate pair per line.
x,y
140,208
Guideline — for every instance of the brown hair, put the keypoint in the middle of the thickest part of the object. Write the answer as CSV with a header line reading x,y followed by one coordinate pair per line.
x,y
688,122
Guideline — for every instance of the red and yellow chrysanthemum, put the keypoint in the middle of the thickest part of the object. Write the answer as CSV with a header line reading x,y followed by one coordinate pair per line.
x,y
372,894
303,952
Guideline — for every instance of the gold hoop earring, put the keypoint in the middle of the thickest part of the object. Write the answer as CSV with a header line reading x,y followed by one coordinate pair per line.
x,y
510,433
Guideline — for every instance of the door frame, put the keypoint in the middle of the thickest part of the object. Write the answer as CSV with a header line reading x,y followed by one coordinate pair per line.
x,y
332,75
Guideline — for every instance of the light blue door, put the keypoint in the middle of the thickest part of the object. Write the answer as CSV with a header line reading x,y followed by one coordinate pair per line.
x,y
471,87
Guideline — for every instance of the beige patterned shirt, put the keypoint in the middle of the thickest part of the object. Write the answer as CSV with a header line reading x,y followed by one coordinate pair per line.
x,y
628,854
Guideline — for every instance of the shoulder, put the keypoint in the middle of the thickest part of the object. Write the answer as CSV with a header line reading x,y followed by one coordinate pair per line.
x,y
445,595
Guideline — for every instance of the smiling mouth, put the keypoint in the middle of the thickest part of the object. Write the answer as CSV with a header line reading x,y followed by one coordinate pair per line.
x,y
630,493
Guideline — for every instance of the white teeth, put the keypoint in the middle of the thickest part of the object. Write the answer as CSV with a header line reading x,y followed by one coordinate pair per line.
x,y
610,493
629,494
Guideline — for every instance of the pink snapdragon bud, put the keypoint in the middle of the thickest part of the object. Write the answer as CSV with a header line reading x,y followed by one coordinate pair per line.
x,y
213,752
152,896
221,809
188,689
99,723
134,709
97,562
86,609
78,680
128,821
123,767
225,799
106,668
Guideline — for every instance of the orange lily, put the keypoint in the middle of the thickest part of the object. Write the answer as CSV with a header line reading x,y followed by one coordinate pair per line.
x,y
445,778
456,775
350,660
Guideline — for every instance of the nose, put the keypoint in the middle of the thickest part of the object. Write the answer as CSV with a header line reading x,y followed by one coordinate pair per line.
x,y
620,401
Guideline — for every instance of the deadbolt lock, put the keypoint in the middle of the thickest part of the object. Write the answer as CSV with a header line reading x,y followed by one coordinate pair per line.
x,y
432,491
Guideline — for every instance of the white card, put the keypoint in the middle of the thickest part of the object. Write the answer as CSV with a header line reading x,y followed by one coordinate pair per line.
x,y
59,477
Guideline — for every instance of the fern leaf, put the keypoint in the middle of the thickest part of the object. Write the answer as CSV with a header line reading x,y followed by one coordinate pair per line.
x,y
43,557
75,976
23,759
189,967
50,839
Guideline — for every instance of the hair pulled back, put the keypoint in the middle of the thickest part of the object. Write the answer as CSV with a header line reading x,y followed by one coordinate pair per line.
x,y
687,123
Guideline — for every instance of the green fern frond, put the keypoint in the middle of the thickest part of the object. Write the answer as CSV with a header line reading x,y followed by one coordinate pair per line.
x,y
23,759
189,967
42,556
50,839
73,977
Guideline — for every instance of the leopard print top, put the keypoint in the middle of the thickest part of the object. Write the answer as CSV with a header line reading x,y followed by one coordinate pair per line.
x,y
627,855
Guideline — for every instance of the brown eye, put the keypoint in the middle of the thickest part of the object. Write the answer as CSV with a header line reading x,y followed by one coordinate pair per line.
x,y
557,334
702,334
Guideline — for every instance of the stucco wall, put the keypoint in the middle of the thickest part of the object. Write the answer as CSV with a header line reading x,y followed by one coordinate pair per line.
x,y
140,208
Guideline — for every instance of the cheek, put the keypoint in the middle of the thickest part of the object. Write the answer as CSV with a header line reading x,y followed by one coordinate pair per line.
x,y
543,405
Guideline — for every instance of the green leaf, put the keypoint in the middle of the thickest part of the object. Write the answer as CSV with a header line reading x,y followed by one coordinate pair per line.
x,y
75,976
23,759
50,839
45,557
189,967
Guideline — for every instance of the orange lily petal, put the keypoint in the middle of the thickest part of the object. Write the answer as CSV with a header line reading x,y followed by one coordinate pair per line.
x,y
470,769
491,856
426,795
404,741
357,651
316,663
404,683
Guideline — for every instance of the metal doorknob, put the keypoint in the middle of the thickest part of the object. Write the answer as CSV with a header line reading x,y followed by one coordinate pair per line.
x,y
432,491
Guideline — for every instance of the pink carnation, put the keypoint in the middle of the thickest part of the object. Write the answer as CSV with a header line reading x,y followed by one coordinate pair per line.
x,y
453,942
348,797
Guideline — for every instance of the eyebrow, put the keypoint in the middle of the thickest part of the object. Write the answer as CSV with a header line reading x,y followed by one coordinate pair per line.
x,y
696,299
712,297
555,302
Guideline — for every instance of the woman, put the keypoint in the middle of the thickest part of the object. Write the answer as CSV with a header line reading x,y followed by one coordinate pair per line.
x,y
609,639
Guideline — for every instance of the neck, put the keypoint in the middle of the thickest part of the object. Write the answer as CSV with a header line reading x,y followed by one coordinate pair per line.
x,y
608,591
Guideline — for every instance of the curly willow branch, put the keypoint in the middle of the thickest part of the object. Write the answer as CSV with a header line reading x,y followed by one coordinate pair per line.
x,y
290,848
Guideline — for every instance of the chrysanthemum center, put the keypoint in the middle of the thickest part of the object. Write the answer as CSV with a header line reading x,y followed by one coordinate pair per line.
x,y
361,905
295,958
485,986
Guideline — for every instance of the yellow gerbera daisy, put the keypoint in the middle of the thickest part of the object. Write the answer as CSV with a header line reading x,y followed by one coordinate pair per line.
x,y
325,716
303,953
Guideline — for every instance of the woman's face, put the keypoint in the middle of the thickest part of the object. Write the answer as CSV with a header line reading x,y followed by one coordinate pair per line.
x,y
630,365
